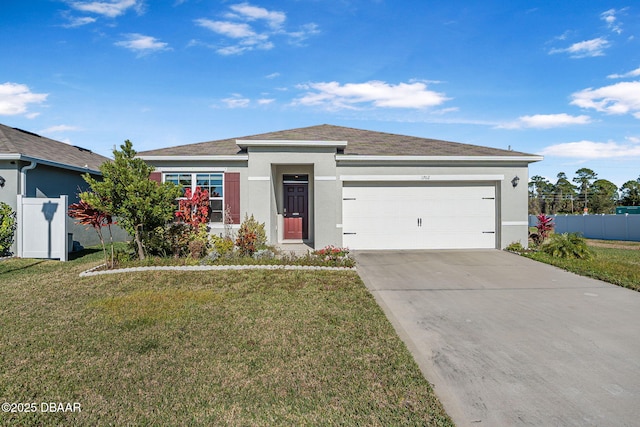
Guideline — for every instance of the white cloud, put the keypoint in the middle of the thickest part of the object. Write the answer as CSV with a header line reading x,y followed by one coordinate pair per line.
x,y
248,27
265,101
236,101
546,121
611,20
75,22
334,96
15,99
229,29
634,139
306,30
142,44
247,38
592,150
619,98
272,76
632,73
584,49
58,128
251,13
110,9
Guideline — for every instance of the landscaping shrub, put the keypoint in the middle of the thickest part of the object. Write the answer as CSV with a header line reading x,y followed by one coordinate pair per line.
x,y
85,214
515,247
194,209
332,253
7,228
545,227
567,245
251,236
264,254
126,192
199,242
222,245
171,239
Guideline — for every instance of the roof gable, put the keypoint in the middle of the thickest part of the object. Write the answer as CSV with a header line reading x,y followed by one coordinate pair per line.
x,y
29,145
359,143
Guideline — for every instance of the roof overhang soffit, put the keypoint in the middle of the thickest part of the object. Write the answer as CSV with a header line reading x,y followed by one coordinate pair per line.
x,y
469,160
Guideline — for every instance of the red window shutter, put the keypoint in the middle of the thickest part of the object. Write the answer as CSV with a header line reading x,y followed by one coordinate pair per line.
x,y
156,176
232,195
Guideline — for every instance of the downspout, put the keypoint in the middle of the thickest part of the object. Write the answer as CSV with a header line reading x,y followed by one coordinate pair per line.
x,y
23,193
23,177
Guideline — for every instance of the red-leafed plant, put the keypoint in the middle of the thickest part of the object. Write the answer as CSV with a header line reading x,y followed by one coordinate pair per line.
x,y
86,214
332,253
544,226
194,210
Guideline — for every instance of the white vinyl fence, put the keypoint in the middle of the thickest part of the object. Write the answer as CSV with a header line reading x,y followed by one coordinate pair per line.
x,y
604,227
42,228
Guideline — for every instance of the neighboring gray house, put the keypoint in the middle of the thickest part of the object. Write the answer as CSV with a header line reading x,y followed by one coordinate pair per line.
x,y
331,185
35,166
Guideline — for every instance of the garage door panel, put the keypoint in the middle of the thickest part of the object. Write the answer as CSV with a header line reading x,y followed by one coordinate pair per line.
x,y
419,216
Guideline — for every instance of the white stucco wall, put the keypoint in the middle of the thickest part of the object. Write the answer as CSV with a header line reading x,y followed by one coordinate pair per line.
x,y
261,187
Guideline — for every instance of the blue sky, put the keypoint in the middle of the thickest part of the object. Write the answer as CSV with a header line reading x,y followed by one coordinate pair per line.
x,y
557,78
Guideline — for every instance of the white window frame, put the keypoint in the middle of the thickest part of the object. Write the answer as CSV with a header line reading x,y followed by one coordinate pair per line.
x,y
194,180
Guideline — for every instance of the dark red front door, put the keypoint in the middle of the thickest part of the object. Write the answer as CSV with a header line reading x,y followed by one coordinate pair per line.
x,y
296,198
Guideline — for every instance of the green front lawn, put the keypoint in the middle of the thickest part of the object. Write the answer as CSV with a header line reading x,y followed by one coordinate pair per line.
x,y
203,348
619,265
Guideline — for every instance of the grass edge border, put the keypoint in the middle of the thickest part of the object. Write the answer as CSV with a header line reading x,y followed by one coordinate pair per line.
x,y
93,272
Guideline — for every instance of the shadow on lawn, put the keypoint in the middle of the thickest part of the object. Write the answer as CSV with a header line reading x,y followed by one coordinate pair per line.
x,y
26,263
83,253
22,267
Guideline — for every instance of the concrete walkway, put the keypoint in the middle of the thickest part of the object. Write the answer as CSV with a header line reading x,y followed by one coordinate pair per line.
x,y
507,341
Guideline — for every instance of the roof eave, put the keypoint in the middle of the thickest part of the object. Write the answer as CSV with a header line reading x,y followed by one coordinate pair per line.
x,y
49,163
373,158
226,158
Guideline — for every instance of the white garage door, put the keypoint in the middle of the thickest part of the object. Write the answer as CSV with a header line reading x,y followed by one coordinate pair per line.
x,y
388,216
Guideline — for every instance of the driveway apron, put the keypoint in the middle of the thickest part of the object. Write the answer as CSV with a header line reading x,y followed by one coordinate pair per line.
x,y
507,341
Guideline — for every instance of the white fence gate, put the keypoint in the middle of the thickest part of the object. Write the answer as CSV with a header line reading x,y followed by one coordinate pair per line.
x,y
42,228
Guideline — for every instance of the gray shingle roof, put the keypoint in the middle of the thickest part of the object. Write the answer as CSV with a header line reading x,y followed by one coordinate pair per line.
x,y
359,142
31,145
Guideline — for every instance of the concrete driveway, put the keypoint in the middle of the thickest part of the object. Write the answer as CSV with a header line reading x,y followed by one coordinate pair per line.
x,y
507,341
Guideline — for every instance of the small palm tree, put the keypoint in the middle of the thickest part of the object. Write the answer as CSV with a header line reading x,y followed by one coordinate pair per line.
x,y
567,245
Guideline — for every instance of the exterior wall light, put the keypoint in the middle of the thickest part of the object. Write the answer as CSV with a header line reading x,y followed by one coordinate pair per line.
x,y
515,181
2,181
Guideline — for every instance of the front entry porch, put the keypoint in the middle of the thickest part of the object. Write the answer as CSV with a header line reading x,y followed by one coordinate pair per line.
x,y
294,197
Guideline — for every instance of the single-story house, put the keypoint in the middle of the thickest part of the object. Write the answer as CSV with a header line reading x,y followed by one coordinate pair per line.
x,y
37,167
331,185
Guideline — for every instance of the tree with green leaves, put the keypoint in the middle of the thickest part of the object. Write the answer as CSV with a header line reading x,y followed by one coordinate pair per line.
x,y
126,192
542,192
584,177
564,193
630,192
604,197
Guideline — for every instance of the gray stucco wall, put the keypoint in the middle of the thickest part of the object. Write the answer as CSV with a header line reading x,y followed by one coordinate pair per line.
x,y
261,187
10,190
265,169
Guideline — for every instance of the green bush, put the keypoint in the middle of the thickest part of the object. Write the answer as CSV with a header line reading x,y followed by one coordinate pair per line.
x,y
515,247
7,228
567,245
199,242
171,239
222,245
251,236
